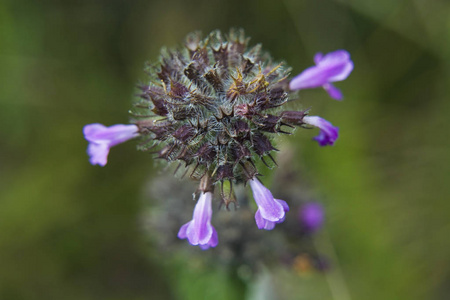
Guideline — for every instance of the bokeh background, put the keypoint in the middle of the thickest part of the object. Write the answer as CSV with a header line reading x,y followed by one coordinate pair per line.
x,y
69,230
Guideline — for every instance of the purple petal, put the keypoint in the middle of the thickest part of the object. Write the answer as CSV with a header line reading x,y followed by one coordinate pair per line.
x,y
318,58
269,225
339,58
328,133
199,230
334,66
182,231
260,221
91,130
332,58
323,140
113,135
284,204
204,247
263,223
333,91
313,77
214,241
98,154
102,138
270,209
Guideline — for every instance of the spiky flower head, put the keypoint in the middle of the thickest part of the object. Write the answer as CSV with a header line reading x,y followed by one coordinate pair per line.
x,y
214,105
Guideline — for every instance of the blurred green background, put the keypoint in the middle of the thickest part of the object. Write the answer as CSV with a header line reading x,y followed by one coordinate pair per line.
x,y
69,230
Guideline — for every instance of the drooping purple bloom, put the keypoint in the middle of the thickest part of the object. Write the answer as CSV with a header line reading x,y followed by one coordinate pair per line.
x,y
328,133
199,230
311,216
102,138
270,210
334,66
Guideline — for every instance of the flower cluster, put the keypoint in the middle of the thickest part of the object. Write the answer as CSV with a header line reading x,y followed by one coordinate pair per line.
x,y
213,106
242,244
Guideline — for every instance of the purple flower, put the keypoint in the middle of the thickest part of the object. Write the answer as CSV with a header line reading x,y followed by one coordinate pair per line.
x,y
101,138
328,133
311,216
270,210
334,66
199,230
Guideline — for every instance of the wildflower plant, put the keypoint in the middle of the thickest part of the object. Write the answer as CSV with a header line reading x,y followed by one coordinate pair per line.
x,y
213,107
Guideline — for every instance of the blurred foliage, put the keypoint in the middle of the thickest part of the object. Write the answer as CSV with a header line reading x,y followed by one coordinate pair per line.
x,y
69,230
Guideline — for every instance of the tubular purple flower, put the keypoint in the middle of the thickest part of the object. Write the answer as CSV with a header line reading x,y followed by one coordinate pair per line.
x,y
102,138
311,216
328,133
199,230
334,66
270,210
